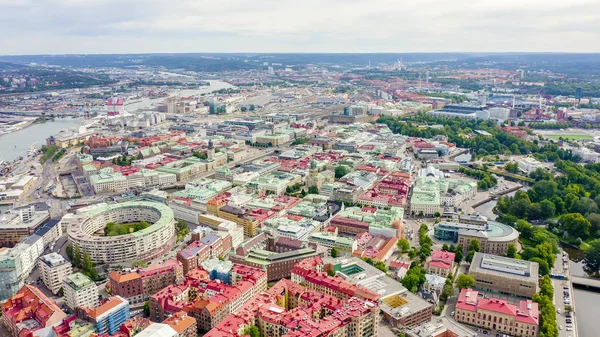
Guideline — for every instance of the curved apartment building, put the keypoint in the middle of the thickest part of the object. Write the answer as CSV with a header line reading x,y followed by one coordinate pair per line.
x,y
145,244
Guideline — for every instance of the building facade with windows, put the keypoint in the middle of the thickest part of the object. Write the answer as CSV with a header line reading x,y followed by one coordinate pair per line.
x,y
520,320
144,244
53,270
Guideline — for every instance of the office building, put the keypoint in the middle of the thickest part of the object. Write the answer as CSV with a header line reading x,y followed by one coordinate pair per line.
x,y
18,224
504,275
11,273
494,237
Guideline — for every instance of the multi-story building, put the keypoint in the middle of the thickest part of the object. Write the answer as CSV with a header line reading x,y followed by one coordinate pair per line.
x,y
53,270
441,263
237,215
127,285
17,224
289,309
11,273
137,287
520,320
209,295
235,231
277,256
356,220
528,165
30,311
494,237
330,240
144,244
107,181
355,277
212,245
17,263
183,324
157,276
432,192
108,316
504,275
80,290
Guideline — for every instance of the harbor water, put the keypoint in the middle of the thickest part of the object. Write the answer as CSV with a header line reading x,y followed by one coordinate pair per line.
x,y
16,144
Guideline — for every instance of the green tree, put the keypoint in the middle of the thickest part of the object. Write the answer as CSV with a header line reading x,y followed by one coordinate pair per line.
x,y
548,209
474,245
331,272
403,245
414,278
464,281
88,267
445,247
592,258
594,220
313,190
544,269
381,266
584,206
447,291
459,254
511,251
340,171
252,330
512,167
334,252
70,252
576,225
146,309
77,256
470,256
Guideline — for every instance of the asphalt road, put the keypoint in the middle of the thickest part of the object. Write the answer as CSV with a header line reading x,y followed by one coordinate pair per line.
x,y
559,298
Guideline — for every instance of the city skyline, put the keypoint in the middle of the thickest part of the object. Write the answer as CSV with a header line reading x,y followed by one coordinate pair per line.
x,y
90,27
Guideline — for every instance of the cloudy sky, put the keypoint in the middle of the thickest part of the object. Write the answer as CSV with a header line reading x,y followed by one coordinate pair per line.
x,y
144,26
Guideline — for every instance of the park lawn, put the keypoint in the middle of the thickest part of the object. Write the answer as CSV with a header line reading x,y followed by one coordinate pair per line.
x,y
571,137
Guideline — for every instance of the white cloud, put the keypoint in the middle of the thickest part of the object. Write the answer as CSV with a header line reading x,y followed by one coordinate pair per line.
x,y
131,26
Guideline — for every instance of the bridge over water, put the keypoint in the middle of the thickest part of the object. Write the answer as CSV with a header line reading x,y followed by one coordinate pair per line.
x,y
585,282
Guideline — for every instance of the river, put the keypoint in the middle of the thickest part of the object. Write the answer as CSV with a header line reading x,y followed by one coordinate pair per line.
x,y
16,144
147,102
585,301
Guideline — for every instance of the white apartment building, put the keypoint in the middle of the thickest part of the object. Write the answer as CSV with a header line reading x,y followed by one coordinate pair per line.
x,y
80,290
53,270
587,155
29,251
528,165
108,182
